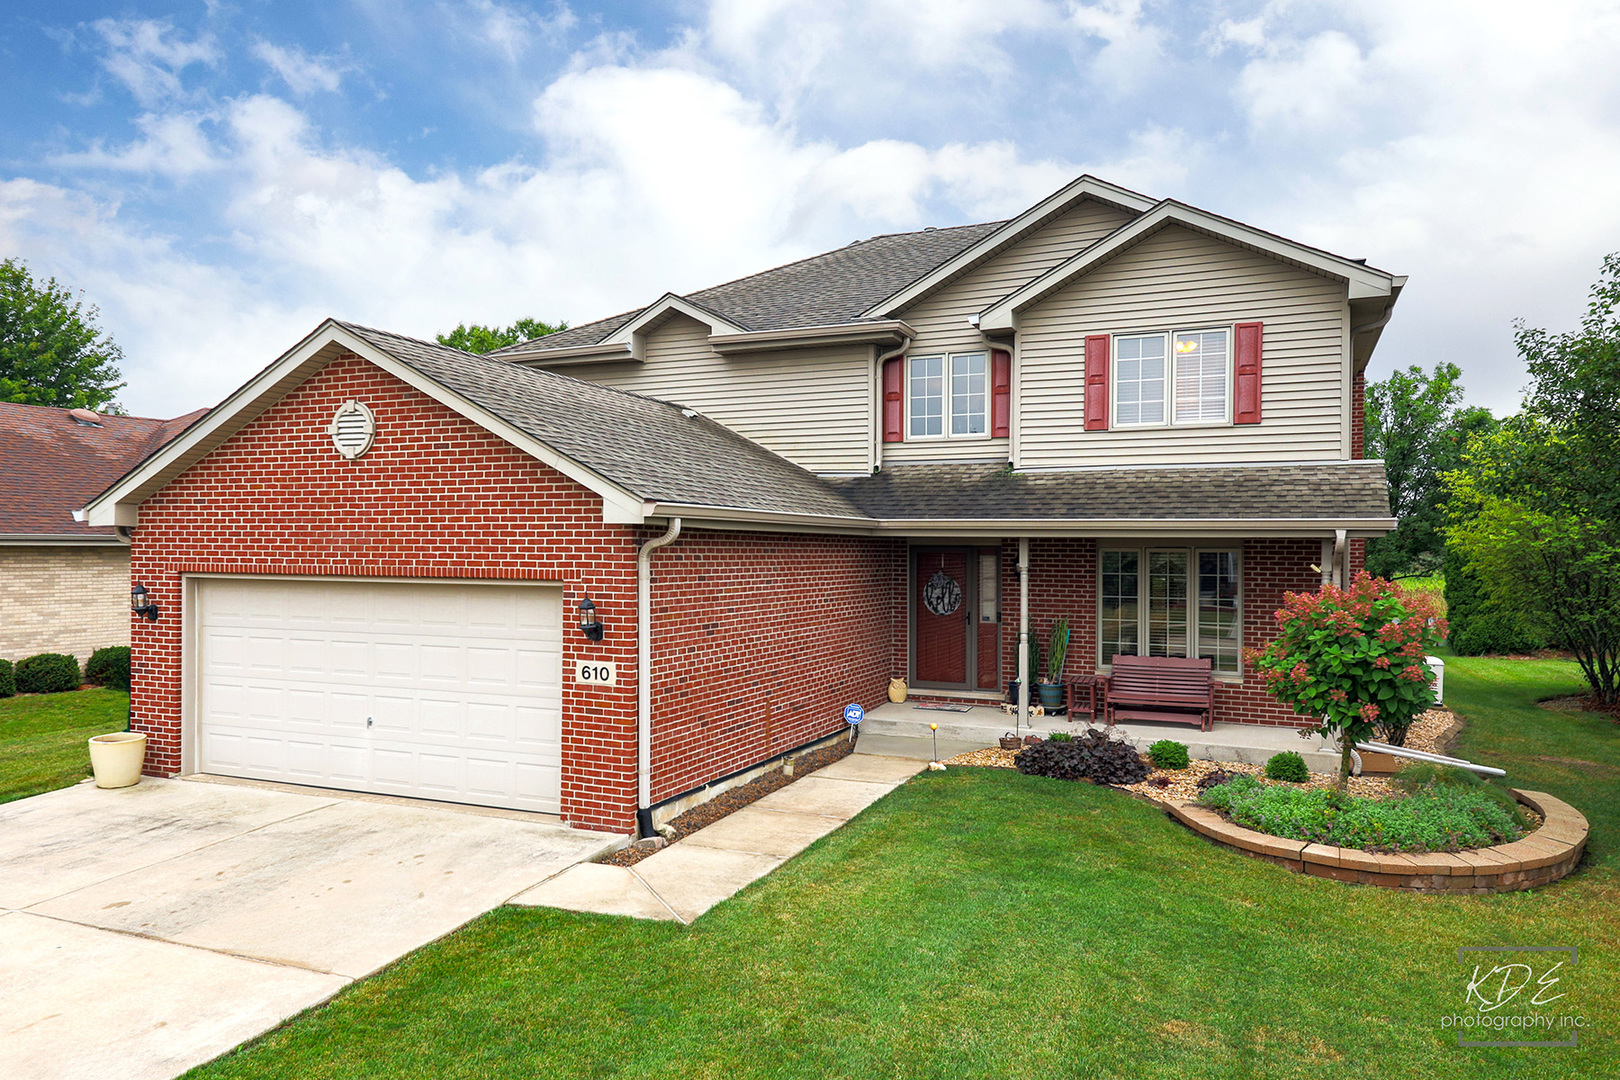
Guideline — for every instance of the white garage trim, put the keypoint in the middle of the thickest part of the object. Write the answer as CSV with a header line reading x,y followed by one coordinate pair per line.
x,y
467,696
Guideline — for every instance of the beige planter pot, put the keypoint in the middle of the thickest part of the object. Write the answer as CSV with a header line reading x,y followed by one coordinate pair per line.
x,y
117,758
897,690
1376,764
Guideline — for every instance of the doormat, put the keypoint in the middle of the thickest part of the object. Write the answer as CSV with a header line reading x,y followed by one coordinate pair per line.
x,y
944,708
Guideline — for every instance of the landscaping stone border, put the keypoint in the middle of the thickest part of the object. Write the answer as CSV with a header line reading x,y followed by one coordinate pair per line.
x,y
1541,858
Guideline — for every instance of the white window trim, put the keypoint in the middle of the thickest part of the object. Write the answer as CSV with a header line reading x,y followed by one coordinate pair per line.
x,y
1193,551
947,423
1169,377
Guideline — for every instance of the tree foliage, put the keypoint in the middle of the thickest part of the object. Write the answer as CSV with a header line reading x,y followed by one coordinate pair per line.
x,y
1352,659
1416,423
473,338
51,350
1535,510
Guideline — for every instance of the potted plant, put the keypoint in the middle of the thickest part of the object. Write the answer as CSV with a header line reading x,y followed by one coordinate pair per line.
x,y
1034,671
1057,649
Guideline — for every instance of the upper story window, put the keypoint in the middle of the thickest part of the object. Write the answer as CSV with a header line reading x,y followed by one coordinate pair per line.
x,y
1181,377
948,395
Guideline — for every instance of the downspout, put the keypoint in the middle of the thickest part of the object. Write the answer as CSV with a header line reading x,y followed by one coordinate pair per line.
x,y
644,823
1024,674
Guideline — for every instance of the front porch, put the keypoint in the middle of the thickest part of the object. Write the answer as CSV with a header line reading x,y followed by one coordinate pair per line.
x,y
902,731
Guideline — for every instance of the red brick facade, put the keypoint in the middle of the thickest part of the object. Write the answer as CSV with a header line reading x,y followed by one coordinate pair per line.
x,y
759,639
1358,415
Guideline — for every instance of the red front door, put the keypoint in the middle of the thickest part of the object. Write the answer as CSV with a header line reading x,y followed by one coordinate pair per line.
x,y
942,613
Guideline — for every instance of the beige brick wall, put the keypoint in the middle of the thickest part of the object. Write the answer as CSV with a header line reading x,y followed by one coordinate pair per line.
x,y
63,599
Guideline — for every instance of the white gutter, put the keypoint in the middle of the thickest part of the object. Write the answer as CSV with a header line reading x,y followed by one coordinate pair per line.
x,y
644,674
1024,674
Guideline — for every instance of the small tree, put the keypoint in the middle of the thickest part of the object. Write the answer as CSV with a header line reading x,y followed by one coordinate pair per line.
x,y
51,350
1353,660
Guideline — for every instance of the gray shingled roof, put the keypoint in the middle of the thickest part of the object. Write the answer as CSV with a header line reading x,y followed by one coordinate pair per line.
x,y
650,448
655,451
823,290
1356,489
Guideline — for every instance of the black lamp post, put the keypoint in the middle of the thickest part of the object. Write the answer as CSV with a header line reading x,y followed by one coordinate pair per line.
x,y
589,624
141,605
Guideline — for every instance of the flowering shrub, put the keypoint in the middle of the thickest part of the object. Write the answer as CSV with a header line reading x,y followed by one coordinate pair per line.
x,y
1353,660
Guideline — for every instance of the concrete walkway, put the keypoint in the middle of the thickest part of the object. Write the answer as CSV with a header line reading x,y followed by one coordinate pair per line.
x,y
686,879
152,928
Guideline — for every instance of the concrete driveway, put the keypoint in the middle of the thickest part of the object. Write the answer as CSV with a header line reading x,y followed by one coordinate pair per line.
x,y
148,929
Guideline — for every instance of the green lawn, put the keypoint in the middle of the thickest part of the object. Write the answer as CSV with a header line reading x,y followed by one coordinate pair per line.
x,y
988,924
42,738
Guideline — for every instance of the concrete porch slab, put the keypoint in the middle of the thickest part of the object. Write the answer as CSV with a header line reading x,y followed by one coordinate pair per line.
x,y
605,890
981,726
76,1002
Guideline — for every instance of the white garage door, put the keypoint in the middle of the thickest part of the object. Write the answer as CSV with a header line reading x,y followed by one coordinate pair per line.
x,y
449,691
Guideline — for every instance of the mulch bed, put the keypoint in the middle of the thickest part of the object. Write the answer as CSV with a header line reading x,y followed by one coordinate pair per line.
x,y
729,802
1586,702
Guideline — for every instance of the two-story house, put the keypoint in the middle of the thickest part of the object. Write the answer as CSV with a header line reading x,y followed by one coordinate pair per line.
x,y
591,573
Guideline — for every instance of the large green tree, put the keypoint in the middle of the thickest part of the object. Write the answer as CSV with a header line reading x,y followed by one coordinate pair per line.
x,y
1416,422
473,338
1535,509
51,350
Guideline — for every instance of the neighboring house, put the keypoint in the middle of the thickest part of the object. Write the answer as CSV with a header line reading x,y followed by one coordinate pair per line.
x,y
370,560
64,586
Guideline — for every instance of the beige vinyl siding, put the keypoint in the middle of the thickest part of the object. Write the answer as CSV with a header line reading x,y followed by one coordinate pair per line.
x,y
812,406
941,318
1178,279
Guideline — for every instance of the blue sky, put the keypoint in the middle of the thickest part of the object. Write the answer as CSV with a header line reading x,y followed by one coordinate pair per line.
x,y
220,176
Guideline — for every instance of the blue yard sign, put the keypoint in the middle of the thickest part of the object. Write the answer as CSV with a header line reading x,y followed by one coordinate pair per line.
x,y
854,714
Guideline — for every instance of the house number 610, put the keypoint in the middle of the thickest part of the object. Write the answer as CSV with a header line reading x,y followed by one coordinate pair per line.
x,y
596,672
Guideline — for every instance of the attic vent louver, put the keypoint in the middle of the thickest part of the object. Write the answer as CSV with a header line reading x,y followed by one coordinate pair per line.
x,y
352,429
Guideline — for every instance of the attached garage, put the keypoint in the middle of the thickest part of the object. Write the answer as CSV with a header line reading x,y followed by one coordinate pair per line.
x,y
449,691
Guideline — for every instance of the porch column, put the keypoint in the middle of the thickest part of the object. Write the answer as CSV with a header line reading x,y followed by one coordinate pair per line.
x,y
1024,674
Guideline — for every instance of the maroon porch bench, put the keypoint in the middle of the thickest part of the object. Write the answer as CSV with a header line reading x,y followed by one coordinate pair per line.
x,y
1163,688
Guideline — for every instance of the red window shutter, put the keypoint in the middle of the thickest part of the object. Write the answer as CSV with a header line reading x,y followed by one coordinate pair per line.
x,y
1000,393
1097,382
894,399
1246,354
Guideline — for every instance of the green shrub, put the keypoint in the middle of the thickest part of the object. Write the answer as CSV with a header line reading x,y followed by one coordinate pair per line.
x,y
1092,756
8,679
1442,818
1169,754
1059,736
1287,766
1420,776
47,673
109,667
1479,624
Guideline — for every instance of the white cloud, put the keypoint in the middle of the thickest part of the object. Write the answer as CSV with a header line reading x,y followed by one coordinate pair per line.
x,y
172,145
508,30
1133,49
149,56
304,74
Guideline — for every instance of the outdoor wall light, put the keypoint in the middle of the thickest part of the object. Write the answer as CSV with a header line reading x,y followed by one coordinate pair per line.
x,y
141,605
589,624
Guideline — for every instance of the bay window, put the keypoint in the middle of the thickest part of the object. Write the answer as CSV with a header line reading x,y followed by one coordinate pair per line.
x,y
1170,602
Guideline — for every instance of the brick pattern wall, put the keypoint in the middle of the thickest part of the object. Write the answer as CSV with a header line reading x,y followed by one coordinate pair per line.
x,y
759,642
759,639
71,600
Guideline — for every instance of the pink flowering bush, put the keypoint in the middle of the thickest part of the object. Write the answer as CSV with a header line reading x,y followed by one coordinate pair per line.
x,y
1353,660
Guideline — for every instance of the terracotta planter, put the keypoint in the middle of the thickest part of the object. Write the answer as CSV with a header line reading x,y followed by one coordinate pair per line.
x,y
898,690
117,758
